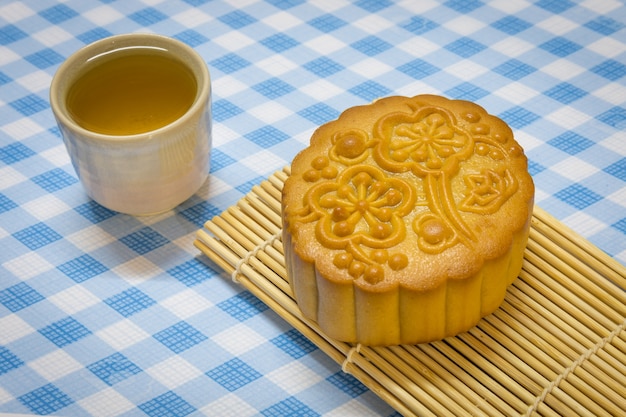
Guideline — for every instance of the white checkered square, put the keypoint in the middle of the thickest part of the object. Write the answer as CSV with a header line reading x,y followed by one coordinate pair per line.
x,y
508,6
574,169
57,156
192,18
55,365
467,70
419,47
568,117
270,112
137,270
614,93
294,378
229,406
22,128
233,41
618,197
46,207
557,25
228,86
108,402
15,11
588,225
7,56
239,339
122,334
516,92
186,304
608,47
53,36
373,23
563,69
322,90
512,47
464,25
35,81
28,265
74,299
419,7
276,65
325,44
616,143
602,7
263,158
371,68
13,328
90,238
174,372
282,21
10,177
103,15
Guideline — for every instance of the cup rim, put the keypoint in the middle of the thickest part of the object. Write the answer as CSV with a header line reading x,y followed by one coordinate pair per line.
x,y
114,42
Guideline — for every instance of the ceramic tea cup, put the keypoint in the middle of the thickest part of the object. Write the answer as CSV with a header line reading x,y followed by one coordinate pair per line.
x,y
134,111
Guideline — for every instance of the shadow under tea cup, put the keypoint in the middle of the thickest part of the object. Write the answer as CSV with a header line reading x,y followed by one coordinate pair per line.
x,y
134,111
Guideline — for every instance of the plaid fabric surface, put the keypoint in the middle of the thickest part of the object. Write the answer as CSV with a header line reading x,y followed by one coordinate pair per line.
x,y
108,314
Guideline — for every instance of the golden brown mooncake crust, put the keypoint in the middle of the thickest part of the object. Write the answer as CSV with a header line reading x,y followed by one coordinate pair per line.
x,y
405,220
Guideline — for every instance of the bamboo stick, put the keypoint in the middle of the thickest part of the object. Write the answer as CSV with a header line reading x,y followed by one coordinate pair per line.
x,y
527,354
423,402
235,214
263,202
582,329
259,216
474,381
276,181
271,190
535,356
609,357
558,272
592,280
422,381
580,248
222,237
436,373
587,380
273,258
491,378
245,241
523,386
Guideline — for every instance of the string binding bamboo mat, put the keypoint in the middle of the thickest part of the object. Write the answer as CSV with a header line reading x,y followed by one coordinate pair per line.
x,y
556,346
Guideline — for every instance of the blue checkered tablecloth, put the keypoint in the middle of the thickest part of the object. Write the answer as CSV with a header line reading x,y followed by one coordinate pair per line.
x,y
106,314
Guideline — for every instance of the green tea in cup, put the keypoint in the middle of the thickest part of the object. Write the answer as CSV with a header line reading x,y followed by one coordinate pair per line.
x,y
130,91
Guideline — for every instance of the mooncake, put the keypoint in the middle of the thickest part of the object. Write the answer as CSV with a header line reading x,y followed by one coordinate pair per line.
x,y
405,220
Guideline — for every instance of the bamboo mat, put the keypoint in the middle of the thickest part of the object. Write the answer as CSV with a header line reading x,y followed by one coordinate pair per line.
x,y
557,345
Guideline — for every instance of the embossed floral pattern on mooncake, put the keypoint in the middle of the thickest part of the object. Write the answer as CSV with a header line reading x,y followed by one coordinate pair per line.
x,y
362,213
374,189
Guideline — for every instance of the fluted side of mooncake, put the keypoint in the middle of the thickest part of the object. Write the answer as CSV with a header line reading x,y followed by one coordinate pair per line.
x,y
405,220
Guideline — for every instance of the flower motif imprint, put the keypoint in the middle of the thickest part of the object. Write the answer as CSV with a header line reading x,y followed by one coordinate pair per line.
x,y
425,142
362,208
